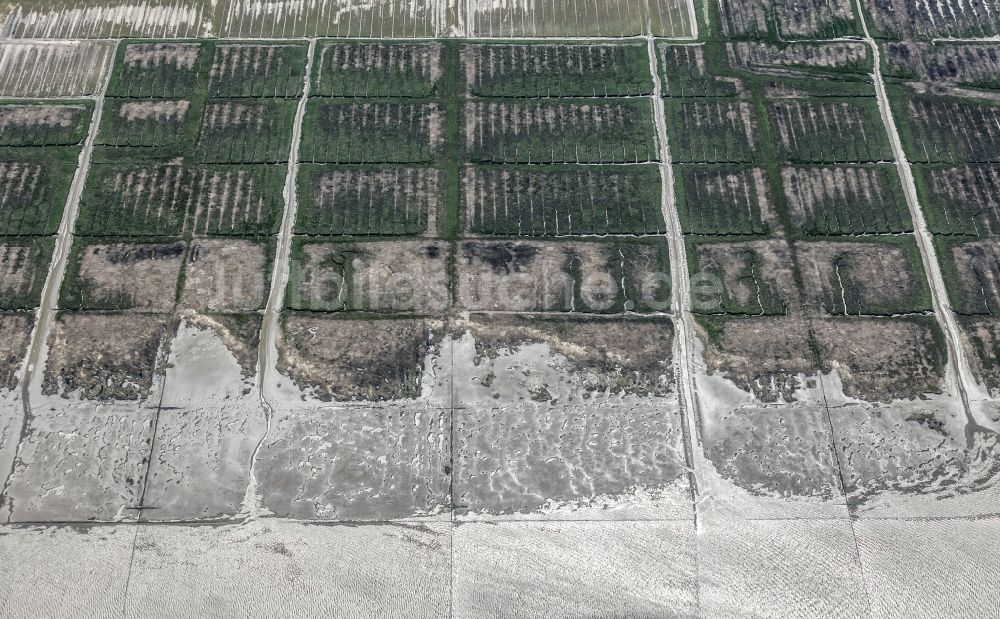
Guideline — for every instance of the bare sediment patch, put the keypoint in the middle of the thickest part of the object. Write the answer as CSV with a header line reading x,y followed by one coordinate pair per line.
x,y
766,356
397,276
154,110
354,359
977,266
105,356
862,278
30,116
357,463
982,335
81,464
883,359
752,278
150,55
916,458
127,276
784,451
570,356
225,275
239,332
15,331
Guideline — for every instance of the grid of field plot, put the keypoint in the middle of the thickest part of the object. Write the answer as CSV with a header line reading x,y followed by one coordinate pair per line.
x,y
183,198
40,144
460,164
786,186
956,166
792,209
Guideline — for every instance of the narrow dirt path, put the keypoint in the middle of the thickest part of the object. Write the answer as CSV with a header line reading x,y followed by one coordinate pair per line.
x,y
38,348
964,383
680,284
267,352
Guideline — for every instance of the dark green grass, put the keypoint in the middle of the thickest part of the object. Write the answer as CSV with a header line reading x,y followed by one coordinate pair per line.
x,y
556,70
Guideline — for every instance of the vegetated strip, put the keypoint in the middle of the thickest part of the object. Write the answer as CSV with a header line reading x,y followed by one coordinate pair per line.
x,y
680,300
939,295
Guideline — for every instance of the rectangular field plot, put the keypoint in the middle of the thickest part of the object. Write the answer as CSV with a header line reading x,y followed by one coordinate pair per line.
x,y
110,275
372,132
53,69
846,200
382,276
828,131
172,201
983,334
102,19
377,69
908,19
963,200
578,131
282,19
389,201
843,57
818,19
44,125
577,70
684,72
23,266
611,276
947,129
971,270
245,70
870,277
542,18
713,131
32,196
755,278
794,19
160,70
724,200
246,131
513,201
160,127
970,64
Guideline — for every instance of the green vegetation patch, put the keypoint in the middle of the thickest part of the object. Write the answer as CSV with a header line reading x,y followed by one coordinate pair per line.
x,y
156,70
44,124
940,129
246,131
713,131
144,128
32,196
845,200
24,263
257,70
963,200
372,132
828,131
971,271
377,69
564,131
561,201
556,70
152,200
386,201
723,200
689,71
